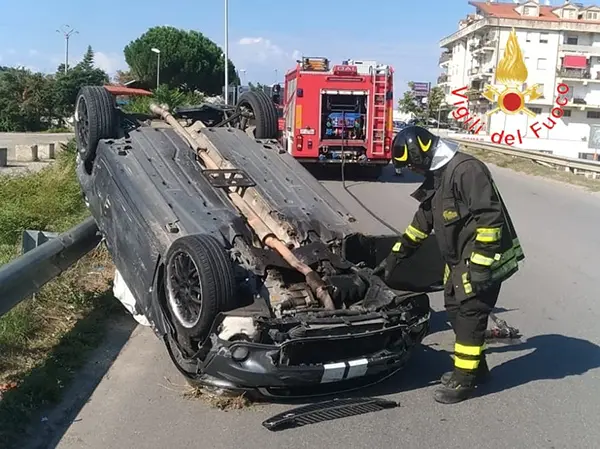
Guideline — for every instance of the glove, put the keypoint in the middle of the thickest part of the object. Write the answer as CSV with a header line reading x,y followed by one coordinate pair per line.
x,y
480,278
385,268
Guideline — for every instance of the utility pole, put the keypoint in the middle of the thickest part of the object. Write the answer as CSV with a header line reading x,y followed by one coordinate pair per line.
x,y
67,31
226,91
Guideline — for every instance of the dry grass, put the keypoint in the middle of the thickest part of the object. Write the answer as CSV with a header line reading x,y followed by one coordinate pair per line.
x,y
221,402
532,168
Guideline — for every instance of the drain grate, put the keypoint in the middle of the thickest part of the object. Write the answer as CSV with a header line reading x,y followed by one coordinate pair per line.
x,y
326,411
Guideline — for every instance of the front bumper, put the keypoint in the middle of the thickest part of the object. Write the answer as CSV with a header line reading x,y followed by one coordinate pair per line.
x,y
309,367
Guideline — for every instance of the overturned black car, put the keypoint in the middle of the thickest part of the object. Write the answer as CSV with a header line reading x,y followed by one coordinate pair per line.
x,y
251,272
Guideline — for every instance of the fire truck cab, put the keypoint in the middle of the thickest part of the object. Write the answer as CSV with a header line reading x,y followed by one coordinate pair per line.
x,y
338,113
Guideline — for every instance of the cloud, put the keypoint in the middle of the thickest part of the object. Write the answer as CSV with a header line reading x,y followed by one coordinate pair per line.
x,y
261,51
109,62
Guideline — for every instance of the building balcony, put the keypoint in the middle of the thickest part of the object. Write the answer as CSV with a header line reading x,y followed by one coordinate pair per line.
x,y
483,46
475,94
481,72
590,50
445,58
443,78
584,75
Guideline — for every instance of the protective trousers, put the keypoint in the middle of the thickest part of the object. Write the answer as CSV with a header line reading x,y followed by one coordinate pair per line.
x,y
469,319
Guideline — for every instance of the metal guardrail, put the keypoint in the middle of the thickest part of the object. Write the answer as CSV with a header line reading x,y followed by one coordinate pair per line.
x,y
559,161
25,275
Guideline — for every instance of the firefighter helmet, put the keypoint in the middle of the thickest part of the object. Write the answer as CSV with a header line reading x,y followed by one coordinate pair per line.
x,y
414,146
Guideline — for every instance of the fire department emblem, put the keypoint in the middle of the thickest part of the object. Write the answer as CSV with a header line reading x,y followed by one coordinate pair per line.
x,y
511,73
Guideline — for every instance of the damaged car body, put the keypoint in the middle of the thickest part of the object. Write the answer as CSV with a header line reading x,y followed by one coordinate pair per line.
x,y
252,273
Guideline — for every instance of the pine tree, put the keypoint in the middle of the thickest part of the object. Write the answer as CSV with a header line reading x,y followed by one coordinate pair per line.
x,y
88,59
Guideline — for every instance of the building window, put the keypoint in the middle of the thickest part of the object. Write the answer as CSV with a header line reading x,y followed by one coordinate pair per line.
x,y
567,113
572,40
593,114
540,89
592,15
569,14
530,11
543,38
536,110
528,37
541,63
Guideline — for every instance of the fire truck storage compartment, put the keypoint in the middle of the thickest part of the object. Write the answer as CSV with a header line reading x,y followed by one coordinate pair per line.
x,y
343,115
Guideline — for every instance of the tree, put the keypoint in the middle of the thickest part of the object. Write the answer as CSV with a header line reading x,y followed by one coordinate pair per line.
x,y
123,76
435,102
188,60
67,85
25,100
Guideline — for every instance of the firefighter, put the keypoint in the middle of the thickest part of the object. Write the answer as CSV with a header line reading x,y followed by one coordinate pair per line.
x,y
460,203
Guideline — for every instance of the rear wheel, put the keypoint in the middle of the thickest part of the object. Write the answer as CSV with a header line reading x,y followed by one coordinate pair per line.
x,y
95,119
199,283
259,112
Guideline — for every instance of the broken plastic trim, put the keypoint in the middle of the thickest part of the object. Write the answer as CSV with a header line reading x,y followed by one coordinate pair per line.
x,y
325,411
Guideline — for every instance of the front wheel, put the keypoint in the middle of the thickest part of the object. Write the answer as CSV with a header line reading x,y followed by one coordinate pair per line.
x,y
199,284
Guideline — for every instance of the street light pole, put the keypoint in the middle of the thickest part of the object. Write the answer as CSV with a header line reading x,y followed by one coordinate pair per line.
x,y
226,90
67,31
157,51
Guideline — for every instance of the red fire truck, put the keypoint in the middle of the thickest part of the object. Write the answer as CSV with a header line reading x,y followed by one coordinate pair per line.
x,y
339,113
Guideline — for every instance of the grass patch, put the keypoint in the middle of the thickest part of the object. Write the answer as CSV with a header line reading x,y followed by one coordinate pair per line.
x,y
44,339
532,168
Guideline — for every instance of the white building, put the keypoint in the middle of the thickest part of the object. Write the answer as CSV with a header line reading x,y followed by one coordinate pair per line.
x,y
560,44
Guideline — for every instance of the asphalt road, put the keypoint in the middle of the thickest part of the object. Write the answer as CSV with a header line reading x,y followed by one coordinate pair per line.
x,y
545,390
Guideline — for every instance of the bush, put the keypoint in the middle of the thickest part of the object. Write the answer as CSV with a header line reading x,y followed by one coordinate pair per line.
x,y
164,95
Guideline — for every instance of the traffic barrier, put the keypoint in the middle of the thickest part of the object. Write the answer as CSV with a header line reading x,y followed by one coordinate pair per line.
x,y
25,275
573,165
26,153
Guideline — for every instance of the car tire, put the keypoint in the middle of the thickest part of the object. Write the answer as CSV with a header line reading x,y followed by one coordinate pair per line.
x,y
209,277
95,119
265,113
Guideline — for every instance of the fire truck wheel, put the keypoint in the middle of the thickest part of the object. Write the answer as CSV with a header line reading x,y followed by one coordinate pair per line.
x,y
263,112
95,119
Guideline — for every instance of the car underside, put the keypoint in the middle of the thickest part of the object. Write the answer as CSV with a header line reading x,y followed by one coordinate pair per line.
x,y
252,273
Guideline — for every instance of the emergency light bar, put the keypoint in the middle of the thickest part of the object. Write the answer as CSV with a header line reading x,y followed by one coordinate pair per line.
x,y
315,64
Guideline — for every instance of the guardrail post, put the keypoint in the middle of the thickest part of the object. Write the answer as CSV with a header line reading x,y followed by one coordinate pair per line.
x,y
3,157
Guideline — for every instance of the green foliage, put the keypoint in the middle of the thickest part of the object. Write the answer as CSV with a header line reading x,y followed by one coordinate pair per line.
x,y
188,60
257,86
25,100
36,101
47,200
164,95
66,86
436,100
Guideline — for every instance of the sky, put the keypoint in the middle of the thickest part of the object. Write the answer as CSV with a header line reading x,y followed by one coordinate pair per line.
x,y
265,38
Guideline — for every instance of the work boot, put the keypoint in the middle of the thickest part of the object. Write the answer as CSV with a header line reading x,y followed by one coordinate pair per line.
x,y
459,387
482,375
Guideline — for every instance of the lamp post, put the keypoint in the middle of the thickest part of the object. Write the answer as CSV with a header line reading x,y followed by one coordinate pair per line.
x,y
157,51
226,53
67,31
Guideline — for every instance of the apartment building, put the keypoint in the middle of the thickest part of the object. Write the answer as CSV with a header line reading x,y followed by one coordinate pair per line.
x,y
560,44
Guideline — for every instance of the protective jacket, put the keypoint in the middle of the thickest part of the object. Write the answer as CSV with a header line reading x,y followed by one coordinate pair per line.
x,y
462,206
